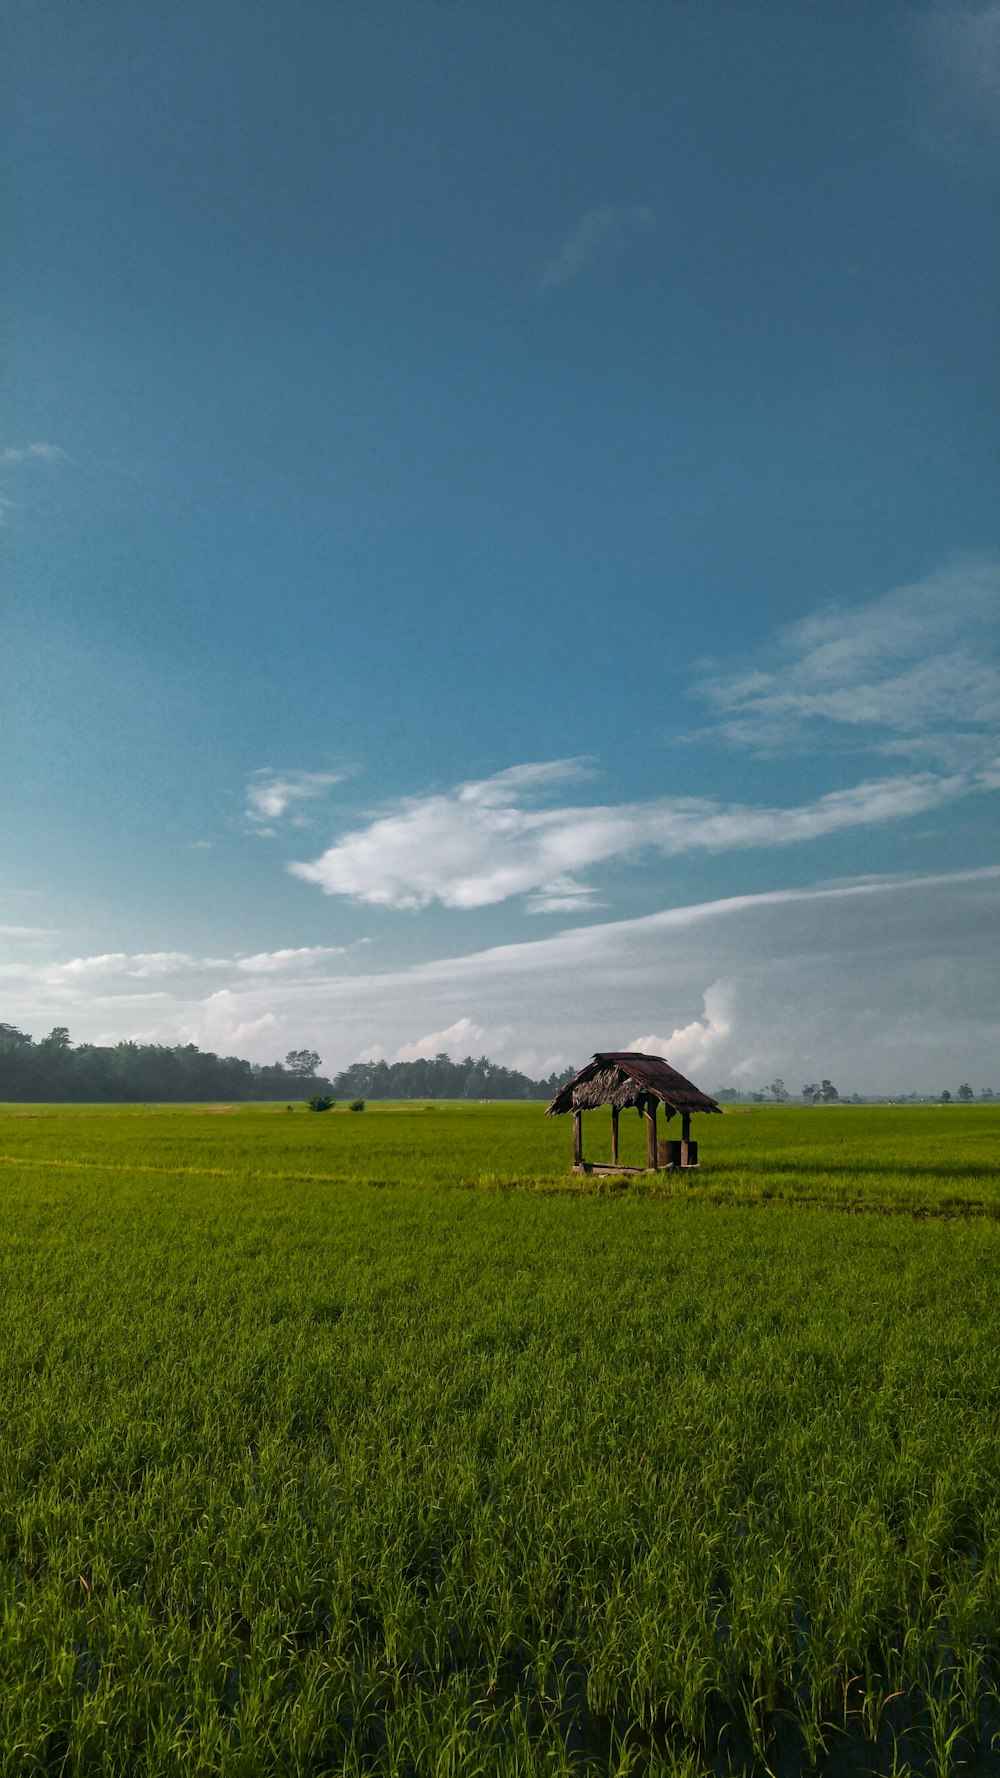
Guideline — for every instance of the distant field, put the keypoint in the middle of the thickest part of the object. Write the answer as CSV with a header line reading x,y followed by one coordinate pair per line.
x,y
301,1476
933,1158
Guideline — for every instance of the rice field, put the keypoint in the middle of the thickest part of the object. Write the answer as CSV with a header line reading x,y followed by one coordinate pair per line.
x,y
378,1444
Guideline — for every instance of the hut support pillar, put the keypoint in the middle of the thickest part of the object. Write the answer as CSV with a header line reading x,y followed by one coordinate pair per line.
x,y
685,1136
614,1135
651,1160
578,1138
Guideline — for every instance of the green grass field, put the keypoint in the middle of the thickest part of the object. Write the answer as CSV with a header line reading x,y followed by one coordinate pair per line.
x,y
298,1475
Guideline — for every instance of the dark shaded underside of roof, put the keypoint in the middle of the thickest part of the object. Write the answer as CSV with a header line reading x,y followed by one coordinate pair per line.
x,y
622,1078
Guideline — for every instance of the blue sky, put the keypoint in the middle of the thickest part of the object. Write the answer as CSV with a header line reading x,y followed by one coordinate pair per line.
x,y
500,532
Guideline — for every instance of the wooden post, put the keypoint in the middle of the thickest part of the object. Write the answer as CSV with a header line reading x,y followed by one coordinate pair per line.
x,y
651,1160
685,1136
578,1138
614,1135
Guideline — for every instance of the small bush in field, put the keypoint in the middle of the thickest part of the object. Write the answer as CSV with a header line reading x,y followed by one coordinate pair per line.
x,y
321,1102
356,1105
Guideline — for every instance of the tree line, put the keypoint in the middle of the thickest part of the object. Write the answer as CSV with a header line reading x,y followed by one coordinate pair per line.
x,y
441,1078
56,1070
825,1093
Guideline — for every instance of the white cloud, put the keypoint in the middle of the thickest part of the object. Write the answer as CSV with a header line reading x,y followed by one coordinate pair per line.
x,y
270,794
483,842
563,896
886,984
697,1043
138,966
601,231
462,1038
912,675
37,453
914,672
222,1026
280,962
108,966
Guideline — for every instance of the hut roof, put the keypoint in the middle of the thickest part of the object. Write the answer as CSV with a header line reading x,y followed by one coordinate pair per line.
x,y
626,1077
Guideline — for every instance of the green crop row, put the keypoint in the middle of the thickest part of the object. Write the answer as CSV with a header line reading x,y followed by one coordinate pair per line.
x,y
298,1476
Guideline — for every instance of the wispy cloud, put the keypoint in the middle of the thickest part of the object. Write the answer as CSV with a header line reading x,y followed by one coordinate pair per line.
x,y
959,52
600,232
484,842
124,966
962,45
914,673
271,794
564,896
911,675
282,962
34,453
14,457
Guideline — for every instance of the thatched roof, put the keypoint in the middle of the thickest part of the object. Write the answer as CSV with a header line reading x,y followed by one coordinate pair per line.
x,y
625,1077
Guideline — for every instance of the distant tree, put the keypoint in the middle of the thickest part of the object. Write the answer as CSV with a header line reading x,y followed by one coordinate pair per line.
x,y
811,1093
987,1093
723,1092
946,1097
778,1090
828,1092
303,1063
441,1078
965,1092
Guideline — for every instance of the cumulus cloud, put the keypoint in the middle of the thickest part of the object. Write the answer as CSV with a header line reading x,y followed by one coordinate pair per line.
x,y
460,1039
697,1043
914,672
222,1025
599,232
485,841
271,794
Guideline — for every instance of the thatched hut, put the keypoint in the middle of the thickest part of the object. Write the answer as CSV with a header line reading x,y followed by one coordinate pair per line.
x,y
623,1078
